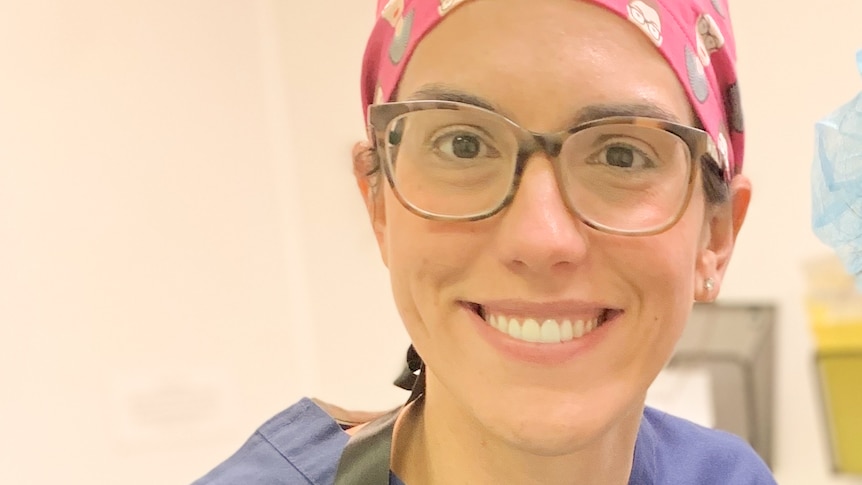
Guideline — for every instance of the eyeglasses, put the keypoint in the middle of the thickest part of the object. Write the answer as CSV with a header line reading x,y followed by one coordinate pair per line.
x,y
452,161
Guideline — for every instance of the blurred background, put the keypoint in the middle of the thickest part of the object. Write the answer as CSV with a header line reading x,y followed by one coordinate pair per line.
x,y
183,252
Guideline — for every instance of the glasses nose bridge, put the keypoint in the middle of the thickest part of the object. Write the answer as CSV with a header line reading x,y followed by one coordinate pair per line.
x,y
531,142
550,143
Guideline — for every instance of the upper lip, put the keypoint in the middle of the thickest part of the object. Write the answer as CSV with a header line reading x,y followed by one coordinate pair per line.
x,y
558,309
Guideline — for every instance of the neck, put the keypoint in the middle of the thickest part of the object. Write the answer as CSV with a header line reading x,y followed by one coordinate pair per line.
x,y
436,442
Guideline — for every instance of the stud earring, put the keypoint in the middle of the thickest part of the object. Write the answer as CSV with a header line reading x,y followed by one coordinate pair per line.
x,y
709,284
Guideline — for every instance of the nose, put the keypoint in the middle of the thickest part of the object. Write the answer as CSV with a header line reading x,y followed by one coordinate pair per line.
x,y
538,235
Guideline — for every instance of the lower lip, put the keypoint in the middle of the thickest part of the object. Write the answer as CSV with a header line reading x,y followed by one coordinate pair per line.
x,y
541,353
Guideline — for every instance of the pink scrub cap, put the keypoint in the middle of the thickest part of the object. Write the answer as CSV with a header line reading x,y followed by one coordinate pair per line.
x,y
694,36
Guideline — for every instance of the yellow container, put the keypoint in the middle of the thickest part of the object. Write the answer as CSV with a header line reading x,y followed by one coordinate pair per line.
x,y
835,315
841,387
836,323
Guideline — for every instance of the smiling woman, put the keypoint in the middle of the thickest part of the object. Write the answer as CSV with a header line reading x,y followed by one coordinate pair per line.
x,y
552,184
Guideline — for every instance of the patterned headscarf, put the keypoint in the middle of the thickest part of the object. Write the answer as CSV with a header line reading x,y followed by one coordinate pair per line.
x,y
694,36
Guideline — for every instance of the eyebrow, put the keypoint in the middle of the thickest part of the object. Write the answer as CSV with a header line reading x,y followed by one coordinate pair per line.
x,y
439,92
647,110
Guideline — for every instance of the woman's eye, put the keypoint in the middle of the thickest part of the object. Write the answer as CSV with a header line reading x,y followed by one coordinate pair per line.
x,y
624,156
465,146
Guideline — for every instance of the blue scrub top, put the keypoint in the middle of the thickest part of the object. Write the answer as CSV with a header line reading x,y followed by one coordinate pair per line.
x,y
302,446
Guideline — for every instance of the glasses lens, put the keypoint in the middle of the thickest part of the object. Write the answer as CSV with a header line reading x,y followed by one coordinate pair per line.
x,y
626,177
451,162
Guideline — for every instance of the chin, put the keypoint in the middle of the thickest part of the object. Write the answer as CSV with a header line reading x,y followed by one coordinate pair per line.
x,y
542,437
560,429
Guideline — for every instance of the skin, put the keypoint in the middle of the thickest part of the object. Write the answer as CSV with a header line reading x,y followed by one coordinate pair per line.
x,y
488,417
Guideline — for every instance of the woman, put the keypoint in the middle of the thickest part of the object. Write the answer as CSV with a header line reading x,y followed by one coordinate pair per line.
x,y
552,183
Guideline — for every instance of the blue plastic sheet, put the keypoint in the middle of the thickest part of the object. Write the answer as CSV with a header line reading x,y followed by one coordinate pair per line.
x,y
836,182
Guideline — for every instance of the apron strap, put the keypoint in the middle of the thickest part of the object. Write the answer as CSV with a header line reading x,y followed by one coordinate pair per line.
x,y
365,459
367,456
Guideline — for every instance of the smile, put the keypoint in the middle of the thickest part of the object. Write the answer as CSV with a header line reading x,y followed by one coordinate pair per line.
x,y
544,329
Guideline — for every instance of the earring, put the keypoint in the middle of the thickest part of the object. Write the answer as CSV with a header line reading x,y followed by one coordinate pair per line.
x,y
709,284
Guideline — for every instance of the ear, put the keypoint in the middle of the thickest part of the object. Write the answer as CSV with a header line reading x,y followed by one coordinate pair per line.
x,y
721,228
363,165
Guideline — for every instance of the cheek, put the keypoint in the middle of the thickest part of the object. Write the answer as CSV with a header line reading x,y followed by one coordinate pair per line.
x,y
669,297
682,244
411,241
426,260
661,268
658,276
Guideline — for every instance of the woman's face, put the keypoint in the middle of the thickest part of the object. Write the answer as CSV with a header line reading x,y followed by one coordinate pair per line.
x,y
540,62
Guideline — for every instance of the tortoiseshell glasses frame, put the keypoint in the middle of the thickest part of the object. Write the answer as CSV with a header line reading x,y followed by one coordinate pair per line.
x,y
386,119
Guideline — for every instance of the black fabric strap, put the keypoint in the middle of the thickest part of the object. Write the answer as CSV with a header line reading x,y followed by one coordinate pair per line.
x,y
366,458
411,373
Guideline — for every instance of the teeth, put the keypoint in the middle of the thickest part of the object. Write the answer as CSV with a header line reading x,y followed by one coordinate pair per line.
x,y
514,329
566,333
578,329
549,331
530,331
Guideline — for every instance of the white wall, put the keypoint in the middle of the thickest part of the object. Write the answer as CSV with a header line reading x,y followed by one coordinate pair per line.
x,y
148,290
797,64
184,253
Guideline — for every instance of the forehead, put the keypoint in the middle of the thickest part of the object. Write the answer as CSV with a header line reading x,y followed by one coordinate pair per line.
x,y
539,61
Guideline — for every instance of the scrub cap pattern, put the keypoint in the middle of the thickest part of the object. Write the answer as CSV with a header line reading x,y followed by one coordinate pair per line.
x,y
694,36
